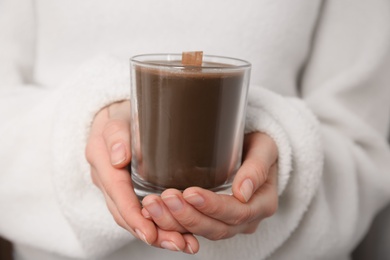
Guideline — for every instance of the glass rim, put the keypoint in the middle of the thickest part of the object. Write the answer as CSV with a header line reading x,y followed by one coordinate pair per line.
x,y
242,63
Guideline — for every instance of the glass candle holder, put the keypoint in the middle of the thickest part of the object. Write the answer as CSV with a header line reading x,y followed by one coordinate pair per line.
x,y
187,122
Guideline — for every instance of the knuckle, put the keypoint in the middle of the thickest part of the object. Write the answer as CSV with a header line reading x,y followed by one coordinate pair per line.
x,y
243,217
174,227
272,207
252,227
259,170
113,127
216,209
252,166
191,222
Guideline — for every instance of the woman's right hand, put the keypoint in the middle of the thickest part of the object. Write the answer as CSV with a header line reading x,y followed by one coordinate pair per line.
x,y
220,216
108,152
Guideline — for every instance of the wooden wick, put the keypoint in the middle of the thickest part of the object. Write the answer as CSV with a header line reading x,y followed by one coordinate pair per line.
x,y
193,58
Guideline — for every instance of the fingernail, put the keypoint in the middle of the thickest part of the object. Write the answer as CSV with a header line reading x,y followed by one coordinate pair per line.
x,y
246,189
142,236
195,199
154,209
118,153
189,248
170,246
146,213
173,202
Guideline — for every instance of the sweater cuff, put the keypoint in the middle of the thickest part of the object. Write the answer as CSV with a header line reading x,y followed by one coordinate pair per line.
x,y
285,120
260,117
95,85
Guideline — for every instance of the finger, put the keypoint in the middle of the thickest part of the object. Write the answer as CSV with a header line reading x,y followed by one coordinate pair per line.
x,y
174,241
193,220
129,207
160,214
230,210
117,216
252,227
110,204
145,213
116,133
192,244
260,153
118,186
120,110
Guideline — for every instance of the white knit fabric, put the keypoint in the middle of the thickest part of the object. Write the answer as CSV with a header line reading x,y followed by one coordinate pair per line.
x,y
319,88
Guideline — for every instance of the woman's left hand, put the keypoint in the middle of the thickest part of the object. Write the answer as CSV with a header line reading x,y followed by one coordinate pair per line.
x,y
108,153
219,216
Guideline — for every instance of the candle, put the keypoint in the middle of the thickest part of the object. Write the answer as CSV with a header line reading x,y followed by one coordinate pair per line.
x,y
187,122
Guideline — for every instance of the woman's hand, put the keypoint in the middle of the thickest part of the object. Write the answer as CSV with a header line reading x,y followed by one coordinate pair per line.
x,y
218,216
108,152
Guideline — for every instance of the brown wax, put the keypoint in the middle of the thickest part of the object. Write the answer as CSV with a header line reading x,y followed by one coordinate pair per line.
x,y
187,126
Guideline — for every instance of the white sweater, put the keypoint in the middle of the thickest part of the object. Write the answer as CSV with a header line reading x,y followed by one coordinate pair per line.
x,y
325,65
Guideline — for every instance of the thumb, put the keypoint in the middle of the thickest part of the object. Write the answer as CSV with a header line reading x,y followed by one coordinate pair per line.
x,y
116,134
260,154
